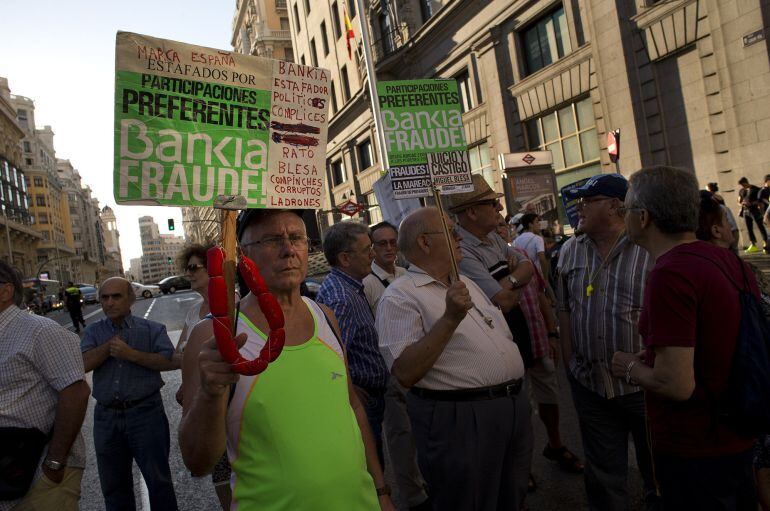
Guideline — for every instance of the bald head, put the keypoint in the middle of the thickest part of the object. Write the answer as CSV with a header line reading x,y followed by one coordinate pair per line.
x,y
116,296
412,226
119,282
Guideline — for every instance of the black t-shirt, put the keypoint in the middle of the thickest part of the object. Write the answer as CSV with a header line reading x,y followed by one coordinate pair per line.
x,y
751,195
764,195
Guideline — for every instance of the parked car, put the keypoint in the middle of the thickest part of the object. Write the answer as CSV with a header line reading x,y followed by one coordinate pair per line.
x,y
145,290
90,294
173,284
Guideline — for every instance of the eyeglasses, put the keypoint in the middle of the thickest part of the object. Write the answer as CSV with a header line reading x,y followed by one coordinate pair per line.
x,y
583,202
386,243
192,268
623,210
277,242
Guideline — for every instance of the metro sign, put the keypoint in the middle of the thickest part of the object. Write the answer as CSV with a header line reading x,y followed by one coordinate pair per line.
x,y
350,208
528,159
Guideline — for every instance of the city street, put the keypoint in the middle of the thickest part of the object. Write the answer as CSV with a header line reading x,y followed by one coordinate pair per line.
x,y
556,489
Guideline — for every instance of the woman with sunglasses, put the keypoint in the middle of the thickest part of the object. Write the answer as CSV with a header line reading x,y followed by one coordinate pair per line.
x,y
192,261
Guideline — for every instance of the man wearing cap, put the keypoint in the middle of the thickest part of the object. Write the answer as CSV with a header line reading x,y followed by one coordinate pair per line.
x,y
449,344
504,274
600,285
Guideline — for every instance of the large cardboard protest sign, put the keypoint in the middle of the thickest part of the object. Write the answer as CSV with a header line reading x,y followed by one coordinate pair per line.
x,y
196,126
424,136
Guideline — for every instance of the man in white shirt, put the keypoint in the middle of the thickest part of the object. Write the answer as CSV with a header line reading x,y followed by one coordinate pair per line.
x,y
451,347
384,269
396,426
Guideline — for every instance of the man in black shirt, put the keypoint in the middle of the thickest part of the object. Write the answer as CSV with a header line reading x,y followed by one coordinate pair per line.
x,y
751,211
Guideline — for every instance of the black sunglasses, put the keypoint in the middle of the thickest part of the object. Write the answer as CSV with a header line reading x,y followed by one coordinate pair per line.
x,y
192,268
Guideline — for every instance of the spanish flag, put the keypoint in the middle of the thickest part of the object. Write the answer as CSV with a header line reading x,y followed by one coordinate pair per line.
x,y
349,32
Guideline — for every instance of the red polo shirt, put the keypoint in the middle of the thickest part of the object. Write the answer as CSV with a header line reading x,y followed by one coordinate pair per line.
x,y
690,302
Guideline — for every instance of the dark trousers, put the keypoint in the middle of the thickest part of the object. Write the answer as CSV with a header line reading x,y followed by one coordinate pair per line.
x,y
724,483
76,315
139,433
604,428
375,414
751,216
474,455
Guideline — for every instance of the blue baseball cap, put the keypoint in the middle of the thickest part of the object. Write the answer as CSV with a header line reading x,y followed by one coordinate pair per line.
x,y
609,185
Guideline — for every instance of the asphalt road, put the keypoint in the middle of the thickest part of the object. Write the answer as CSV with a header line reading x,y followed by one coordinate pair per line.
x,y
557,490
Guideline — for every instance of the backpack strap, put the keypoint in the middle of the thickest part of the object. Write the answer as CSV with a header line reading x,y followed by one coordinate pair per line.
x,y
384,283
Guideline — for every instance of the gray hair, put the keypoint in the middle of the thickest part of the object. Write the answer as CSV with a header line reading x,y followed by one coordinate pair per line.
x,y
411,227
340,238
670,195
13,276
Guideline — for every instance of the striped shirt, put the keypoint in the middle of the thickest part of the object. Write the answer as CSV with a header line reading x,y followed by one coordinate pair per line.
x,y
345,296
38,359
478,354
607,320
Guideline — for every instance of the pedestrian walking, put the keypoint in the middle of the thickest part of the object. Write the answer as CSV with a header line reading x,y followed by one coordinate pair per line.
x,y
74,303
690,325
531,242
127,354
601,278
192,260
397,430
348,249
752,213
296,434
43,400
450,345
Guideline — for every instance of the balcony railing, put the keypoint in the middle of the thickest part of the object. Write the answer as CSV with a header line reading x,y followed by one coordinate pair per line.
x,y
280,4
387,45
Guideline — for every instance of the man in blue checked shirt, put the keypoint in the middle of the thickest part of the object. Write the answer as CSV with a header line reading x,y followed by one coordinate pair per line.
x,y
127,355
348,248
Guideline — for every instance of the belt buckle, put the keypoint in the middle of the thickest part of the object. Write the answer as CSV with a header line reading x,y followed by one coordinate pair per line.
x,y
510,389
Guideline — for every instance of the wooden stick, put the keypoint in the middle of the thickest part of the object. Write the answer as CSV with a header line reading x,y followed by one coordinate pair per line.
x,y
229,244
453,271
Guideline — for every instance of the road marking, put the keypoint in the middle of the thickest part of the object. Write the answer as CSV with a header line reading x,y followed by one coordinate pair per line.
x,y
185,299
150,308
144,493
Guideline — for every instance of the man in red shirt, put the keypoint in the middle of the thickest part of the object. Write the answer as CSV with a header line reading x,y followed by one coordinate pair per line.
x,y
689,324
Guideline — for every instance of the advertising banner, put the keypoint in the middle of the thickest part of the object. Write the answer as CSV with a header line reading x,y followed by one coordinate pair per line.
x,y
424,136
196,126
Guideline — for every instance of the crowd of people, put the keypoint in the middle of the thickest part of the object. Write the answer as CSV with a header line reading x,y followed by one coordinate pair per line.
x,y
426,354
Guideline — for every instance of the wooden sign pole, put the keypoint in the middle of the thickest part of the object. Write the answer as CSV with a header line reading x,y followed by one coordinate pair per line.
x,y
229,244
453,272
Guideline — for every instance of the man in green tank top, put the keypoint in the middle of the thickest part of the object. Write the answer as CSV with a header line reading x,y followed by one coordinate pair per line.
x,y
296,434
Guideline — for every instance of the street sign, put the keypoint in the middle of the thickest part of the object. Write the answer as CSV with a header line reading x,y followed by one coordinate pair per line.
x,y
526,159
424,136
197,126
350,208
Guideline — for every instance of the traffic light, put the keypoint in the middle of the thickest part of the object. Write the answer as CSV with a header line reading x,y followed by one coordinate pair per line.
x,y
170,224
169,260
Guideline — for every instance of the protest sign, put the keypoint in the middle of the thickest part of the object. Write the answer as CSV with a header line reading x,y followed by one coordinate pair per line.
x,y
196,126
424,136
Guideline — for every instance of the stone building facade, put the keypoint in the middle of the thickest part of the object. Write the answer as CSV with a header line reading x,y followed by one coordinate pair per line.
x,y
159,252
687,83
261,28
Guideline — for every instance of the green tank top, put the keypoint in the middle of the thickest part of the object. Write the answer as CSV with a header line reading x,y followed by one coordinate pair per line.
x,y
292,437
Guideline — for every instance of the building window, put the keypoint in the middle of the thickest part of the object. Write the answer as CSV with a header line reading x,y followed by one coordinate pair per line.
x,y
27,148
40,200
284,23
480,162
324,39
352,8
569,133
313,54
336,21
37,180
28,162
43,218
546,41
296,19
302,60
345,84
365,155
334,99
338,172
21,116
375,213
307,7
426,10
386,34
288,55
467,101
47,235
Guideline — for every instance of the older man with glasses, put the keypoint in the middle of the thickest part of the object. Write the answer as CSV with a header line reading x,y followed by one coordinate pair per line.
x,y
348,249
601,279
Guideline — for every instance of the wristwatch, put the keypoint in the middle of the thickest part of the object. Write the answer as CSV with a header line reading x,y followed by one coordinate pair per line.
x,y
383,490
53,464
513,280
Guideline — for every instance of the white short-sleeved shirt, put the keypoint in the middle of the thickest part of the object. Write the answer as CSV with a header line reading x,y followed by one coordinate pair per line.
x,y
374,286
532,244
477,355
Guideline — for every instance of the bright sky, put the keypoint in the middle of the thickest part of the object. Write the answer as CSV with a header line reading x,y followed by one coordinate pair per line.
x,y
61,54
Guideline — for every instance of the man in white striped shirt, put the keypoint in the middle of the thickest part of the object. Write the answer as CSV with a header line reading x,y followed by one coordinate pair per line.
x,y
451,347
601,284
